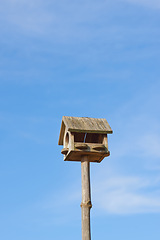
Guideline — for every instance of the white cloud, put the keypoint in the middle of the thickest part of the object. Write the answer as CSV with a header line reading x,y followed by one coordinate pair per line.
x,y
127,195
111,194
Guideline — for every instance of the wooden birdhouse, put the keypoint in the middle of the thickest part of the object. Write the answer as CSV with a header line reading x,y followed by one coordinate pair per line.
x,y
82,136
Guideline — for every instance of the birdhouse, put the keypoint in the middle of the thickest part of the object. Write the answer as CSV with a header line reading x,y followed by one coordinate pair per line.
x,y
83,136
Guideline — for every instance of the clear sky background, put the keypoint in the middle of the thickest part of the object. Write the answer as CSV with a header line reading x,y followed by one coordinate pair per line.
x,y
98,58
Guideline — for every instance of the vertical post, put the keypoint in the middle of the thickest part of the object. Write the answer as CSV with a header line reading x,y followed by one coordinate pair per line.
x,y
86,198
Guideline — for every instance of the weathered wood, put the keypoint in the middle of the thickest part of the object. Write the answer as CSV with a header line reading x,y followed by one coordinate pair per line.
x,y
83,125
93,156
95,152
81,146
86,198
105,141
71,141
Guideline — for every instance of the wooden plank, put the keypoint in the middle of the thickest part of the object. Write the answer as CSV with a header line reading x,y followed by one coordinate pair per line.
x,y
84,124
93,156
61,135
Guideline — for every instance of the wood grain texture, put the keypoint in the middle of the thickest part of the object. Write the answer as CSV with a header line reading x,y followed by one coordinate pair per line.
x,y
86,199
83,125
93,156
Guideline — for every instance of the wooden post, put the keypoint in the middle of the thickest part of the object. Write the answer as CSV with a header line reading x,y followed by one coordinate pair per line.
x,y
86,198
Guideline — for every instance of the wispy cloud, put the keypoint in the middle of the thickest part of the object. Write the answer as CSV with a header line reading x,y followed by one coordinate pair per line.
x,y
147,3
137,141
111,194
137,126
86,33
63,18
28,16
127,195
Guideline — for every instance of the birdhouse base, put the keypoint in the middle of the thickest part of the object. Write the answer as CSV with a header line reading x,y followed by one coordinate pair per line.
x,y
94,156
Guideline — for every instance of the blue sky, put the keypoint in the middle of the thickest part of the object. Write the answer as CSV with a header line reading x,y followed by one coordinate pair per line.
x,y
88,59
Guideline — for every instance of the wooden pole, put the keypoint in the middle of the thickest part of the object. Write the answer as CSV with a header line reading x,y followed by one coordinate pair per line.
x,y
86,198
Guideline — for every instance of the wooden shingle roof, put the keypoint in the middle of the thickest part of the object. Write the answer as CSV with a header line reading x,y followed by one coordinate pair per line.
x,y
85,125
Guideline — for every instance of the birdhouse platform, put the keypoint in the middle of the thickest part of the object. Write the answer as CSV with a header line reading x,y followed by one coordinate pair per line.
x,y
83,136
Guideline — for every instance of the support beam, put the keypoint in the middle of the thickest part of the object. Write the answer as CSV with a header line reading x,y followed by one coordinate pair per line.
x,y
86,198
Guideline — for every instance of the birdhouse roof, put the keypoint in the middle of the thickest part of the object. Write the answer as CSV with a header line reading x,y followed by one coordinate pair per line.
x,y
85,125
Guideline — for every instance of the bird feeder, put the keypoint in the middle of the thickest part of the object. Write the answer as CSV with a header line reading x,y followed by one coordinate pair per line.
x,y
84,136
85,140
